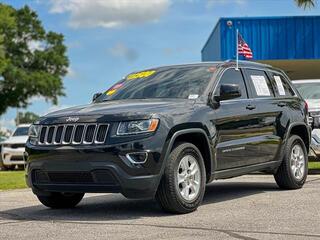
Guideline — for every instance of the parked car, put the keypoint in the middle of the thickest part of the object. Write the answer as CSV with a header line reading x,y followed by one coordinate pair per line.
x,y
165,132
310,91
14,147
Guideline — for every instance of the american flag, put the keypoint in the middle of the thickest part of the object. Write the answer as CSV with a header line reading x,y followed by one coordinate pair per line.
x,y
243,48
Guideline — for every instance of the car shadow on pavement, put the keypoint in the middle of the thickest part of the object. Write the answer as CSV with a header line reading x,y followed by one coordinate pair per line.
x,y
115,207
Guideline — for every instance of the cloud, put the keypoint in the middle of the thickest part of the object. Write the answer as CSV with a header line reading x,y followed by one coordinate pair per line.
x,y
122,51
214,3
7,124
36,99
35,45
170,51
110,13
70,72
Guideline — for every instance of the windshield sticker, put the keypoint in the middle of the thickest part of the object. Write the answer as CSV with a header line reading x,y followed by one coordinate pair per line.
x,y
279,85
110,92
140,75
193,96
212,69
260,85
113,89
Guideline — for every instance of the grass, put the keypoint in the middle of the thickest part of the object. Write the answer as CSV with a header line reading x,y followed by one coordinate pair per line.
x,y
12,180
314,165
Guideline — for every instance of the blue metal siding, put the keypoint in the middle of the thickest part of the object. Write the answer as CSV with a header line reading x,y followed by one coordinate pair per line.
x,y
269,38
212,48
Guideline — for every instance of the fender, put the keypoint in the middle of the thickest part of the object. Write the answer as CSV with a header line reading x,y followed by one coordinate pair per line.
x,y
188,131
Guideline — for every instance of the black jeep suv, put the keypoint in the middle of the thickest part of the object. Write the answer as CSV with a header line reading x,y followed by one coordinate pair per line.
x,y
165,132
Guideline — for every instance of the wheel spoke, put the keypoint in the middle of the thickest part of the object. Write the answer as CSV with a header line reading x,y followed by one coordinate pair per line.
x,y
185,192
181,178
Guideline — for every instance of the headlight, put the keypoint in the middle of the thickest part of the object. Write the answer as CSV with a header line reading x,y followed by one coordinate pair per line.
x,y
136,127
34,131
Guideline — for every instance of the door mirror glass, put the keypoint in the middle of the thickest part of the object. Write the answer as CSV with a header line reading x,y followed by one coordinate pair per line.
x,y
228,91
95,96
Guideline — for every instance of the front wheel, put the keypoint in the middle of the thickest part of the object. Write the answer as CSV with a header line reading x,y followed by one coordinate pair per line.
x,y
60,200
293,170
182,186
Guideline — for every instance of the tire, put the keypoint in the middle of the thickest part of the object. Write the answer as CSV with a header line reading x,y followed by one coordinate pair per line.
x,y
7,167
285,177
61,200
186,196
2,166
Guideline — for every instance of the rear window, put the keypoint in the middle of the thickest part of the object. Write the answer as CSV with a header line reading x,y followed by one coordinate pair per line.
x,y
282,87
175,82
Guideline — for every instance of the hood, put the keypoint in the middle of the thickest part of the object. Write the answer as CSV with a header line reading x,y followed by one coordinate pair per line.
x,y
118,110
16,139
313,104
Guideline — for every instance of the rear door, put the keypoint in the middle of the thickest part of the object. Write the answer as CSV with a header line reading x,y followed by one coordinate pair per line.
x,y
287,104
267,115
235,124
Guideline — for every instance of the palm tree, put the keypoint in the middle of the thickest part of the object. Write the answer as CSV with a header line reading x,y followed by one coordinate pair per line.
x,y
306,3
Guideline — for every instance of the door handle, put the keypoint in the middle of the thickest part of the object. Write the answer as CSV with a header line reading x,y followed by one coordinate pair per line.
x,y
281,104
250,107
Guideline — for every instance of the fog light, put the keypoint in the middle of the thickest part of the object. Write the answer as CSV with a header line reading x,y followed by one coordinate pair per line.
x,y
137,157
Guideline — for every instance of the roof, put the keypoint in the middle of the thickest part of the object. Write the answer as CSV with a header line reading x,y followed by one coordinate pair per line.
x,y
220,63
306,81
253,18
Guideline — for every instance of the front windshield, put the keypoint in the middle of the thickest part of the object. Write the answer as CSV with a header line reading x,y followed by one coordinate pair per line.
x,y
309,90
21,131
174,82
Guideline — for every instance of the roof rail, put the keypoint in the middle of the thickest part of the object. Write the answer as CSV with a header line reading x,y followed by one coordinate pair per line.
x,y
247,62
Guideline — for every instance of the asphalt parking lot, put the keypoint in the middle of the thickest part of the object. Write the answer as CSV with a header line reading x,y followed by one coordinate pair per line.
x,y
248,207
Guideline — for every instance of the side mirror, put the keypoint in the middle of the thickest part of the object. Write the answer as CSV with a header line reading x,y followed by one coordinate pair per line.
x,y
228,91
95,96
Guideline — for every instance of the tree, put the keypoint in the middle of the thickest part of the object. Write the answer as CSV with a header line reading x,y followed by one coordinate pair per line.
x,y
27,117
306,3
32,61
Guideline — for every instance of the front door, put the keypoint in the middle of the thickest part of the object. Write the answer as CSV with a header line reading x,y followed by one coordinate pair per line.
x,y
236,125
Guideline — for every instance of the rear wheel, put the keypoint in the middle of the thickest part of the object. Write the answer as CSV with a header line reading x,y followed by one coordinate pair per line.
x,y
61,200
182,186
293,170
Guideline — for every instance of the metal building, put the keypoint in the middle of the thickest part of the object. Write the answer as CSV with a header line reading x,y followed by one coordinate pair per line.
x,y
290,43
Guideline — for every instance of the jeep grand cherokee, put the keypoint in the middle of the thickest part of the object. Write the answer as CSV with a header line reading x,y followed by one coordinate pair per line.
x,y
165,132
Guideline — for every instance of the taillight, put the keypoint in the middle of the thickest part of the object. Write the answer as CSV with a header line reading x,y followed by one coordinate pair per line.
x,y
306,106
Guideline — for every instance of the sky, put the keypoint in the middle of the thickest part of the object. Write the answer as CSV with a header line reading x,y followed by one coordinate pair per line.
x,y
107,39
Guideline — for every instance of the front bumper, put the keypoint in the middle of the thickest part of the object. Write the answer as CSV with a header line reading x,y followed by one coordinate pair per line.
x,y
94,169
12,156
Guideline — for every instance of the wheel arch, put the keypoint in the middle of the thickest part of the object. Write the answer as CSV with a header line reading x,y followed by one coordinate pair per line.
x,y
301,130
199,138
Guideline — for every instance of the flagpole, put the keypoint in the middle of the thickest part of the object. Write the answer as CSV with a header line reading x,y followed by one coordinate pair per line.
x,y
237,53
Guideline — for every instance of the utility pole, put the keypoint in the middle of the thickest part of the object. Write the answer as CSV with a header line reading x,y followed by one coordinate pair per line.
x,y
17,117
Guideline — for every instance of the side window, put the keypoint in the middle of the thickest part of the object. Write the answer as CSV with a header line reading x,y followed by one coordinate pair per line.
x,y
281,86
260,84
231,76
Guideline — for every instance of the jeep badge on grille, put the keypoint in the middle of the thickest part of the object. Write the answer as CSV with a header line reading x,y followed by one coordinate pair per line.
x,y
72,119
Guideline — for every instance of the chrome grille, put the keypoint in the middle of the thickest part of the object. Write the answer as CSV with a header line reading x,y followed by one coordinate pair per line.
x,y
73,134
